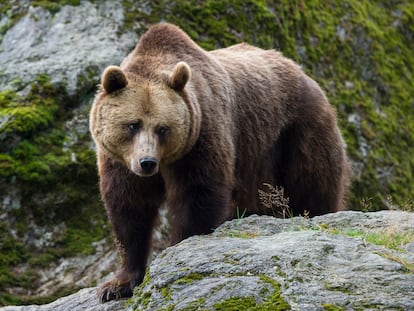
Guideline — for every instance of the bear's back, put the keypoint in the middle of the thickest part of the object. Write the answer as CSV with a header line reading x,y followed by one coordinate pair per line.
x,y
168,40
251,60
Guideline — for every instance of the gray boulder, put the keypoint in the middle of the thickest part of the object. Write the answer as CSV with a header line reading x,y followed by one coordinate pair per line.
x,y
42,42
342,261
84,300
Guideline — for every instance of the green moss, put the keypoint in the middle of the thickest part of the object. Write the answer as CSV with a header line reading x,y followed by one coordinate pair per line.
x,y
207,21
24,116
331,307
195,305
236,304
272,301
54,6
190,278
42,260
275,300
13,252
242,234
371,94
141,298
6,165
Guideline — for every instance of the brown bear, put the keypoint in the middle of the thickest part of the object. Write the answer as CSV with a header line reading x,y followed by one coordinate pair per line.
x,y
202,131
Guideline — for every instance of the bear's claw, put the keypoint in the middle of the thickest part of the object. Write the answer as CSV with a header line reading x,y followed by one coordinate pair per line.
x,y
111,292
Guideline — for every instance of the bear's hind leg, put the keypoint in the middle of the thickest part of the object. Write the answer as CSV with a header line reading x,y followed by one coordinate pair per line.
x,y
313,171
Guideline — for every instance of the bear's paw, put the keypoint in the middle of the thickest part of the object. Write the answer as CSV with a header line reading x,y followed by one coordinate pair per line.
x,y
114,290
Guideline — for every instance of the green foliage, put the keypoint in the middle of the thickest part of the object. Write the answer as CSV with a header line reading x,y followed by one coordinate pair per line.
x,y
390,238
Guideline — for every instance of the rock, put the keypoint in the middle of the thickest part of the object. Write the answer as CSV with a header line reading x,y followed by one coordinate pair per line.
x,y
314,262
84,300
78,272
277,264
42,42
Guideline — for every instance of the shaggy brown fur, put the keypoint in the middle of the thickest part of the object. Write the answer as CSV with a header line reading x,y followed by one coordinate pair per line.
x,y
202,131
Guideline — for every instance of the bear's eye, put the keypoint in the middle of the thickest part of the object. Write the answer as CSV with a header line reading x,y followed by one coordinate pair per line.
x,y
162,130
134,127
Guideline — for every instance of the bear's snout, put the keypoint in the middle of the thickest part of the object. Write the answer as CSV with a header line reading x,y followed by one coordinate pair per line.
x,y
148,165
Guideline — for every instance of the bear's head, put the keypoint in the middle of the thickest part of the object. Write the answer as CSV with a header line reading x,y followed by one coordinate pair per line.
x,y
144,123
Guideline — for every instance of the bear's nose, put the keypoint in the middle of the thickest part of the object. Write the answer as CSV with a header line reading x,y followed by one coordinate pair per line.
x,y
148,164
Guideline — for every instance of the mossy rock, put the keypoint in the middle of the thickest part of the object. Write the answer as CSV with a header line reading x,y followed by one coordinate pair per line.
x,y
57,183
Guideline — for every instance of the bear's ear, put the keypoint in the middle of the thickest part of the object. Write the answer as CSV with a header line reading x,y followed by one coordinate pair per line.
x,y
180,76
113,79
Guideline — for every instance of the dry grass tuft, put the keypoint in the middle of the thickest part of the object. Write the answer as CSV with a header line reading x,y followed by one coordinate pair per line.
x,y
274,199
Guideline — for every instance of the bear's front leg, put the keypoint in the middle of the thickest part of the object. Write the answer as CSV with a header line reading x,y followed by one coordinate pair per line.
x,y
133,230
199,197
132,204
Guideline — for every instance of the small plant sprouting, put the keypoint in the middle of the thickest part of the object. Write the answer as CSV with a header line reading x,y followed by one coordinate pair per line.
x,y
275,200
240,215
406,206
366,204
